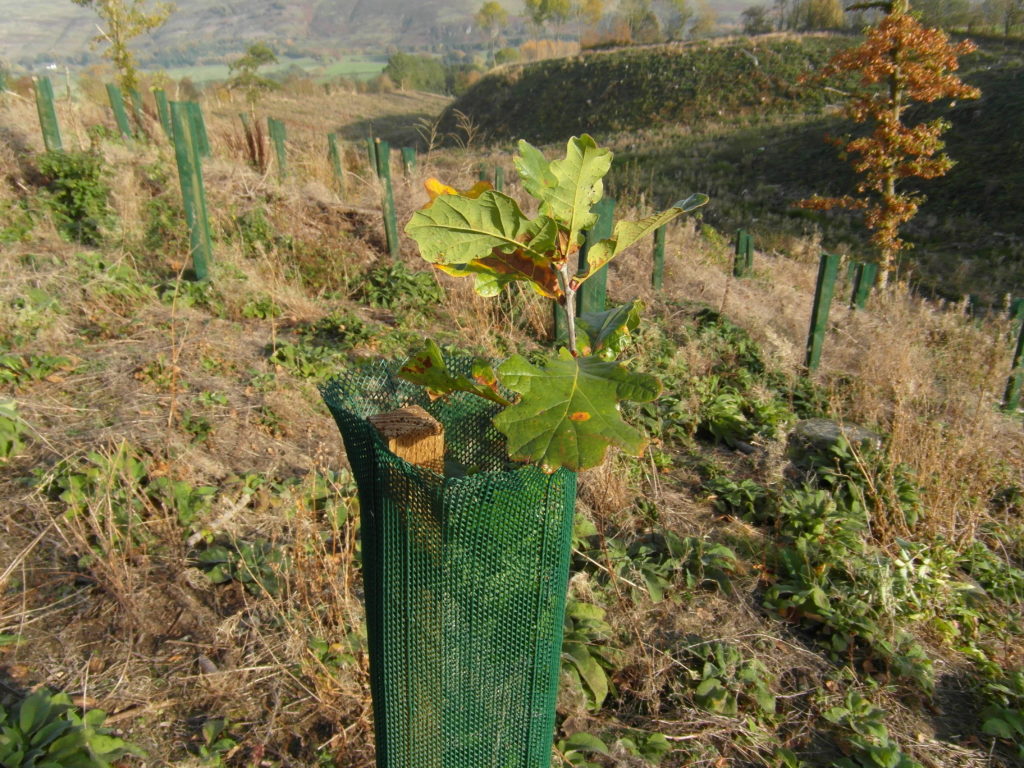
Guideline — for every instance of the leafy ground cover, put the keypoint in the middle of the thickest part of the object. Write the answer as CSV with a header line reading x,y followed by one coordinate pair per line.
x,y
181,550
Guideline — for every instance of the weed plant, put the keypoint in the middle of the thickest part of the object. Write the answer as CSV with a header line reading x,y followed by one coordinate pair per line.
x,y
78,195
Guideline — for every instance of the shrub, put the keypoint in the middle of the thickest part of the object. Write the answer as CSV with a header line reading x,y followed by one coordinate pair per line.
x,y
420,73
395,285
506,56
78,195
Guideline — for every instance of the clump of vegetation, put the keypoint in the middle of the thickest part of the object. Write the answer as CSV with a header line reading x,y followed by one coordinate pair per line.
x,y
414,72
78,194
391,286
44,730
12,430
547,101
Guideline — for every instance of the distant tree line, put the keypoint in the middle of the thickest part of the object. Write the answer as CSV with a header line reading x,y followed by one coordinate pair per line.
x,y
1004,17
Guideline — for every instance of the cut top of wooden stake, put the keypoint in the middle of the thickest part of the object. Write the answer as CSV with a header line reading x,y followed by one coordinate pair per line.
x,y
412,434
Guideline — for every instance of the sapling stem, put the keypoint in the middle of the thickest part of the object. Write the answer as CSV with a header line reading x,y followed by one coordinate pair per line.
x,y
570,305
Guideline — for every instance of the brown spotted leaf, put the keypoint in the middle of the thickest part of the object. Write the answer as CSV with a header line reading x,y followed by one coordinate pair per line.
x,y
428,369
568,411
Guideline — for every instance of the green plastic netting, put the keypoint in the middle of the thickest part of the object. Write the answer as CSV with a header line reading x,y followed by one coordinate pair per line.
x,y
465,582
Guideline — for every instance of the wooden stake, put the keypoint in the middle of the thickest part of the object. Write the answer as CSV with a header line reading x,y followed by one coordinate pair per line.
x,y
412,434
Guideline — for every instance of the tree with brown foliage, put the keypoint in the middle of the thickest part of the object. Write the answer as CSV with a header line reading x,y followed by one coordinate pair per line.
x,y
900,63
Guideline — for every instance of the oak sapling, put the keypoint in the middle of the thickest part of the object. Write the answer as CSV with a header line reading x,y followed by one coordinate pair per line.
x,y
563,412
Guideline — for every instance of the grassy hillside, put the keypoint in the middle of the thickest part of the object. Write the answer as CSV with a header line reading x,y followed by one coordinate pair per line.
x,y
621,90
731,121
180,541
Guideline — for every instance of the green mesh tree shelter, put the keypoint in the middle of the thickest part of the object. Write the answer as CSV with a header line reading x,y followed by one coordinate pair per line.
x,y
48,115
465,583
117,105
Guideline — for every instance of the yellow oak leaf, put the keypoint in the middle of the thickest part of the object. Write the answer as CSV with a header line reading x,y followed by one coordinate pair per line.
x,y
436,188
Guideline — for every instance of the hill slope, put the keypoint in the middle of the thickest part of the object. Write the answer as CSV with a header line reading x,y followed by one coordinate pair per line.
x,y
54,27
730,120
625,89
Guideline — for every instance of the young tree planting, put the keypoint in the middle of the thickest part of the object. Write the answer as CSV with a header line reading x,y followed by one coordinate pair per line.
x,y
491,18
676,17
540,12
245,74
562,411
899,64
705,20
123,21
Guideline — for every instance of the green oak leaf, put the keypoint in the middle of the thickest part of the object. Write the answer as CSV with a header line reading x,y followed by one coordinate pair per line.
x,y
568,412
579,185
628,232
534,171
606,334
458,230
428,369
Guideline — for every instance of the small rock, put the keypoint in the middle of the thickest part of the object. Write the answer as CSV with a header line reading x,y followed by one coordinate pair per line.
x,y
816,436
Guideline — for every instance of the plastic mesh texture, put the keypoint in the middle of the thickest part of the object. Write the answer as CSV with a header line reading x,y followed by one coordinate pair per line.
x,y
465,583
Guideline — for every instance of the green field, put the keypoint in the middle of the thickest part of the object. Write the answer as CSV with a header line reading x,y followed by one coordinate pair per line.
x,y
354,67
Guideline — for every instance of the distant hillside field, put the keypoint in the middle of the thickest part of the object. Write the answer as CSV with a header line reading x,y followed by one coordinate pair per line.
x,y
606,92
36,27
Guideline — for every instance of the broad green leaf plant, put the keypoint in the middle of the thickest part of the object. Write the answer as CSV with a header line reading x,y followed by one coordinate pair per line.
x,y
564,411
